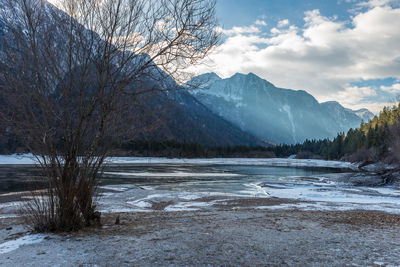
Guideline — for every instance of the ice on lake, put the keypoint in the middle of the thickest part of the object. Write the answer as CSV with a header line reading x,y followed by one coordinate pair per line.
x,y
135,184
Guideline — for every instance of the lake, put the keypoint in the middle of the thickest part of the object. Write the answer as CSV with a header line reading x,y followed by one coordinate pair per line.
x,y
134,183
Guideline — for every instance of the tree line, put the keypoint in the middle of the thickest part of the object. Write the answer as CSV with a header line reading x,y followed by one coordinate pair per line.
x,y
171,148
374,140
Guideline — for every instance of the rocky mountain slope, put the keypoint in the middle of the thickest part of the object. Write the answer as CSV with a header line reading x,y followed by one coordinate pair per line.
x,y
274,114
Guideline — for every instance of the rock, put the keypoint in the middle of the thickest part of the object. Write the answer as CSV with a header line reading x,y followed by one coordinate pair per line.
x,y
366,180
376,167
96,217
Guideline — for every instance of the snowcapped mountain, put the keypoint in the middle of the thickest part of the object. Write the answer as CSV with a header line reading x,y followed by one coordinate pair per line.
x,y
344,116
364,114
274,114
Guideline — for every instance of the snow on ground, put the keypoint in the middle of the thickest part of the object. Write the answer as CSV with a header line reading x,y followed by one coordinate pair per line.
x,y
25,240
330,206
137,200
189,206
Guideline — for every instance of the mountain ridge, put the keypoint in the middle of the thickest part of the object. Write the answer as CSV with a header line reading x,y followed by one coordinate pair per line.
x,y
271,113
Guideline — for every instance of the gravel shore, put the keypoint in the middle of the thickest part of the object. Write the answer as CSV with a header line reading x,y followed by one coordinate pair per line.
x,y
235,233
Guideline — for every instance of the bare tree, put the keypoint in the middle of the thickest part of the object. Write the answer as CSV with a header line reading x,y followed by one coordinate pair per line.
x,y
70,74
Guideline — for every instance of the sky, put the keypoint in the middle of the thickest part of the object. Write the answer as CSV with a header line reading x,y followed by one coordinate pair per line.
x,y
337,50
342,50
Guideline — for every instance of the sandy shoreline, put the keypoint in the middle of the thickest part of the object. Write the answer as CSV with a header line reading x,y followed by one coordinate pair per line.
x,y
234,233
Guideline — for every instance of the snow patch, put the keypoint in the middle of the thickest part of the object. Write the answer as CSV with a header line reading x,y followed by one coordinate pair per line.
x,y
118,188
286,108
189,206
7,216
140,203
25,240
324,206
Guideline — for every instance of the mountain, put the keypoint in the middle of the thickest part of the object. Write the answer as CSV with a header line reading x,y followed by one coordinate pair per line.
x,y
364,114
274,114
182,118
171,115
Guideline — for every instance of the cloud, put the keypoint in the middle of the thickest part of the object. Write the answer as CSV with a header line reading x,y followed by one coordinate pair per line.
x,y
393,89
357,97
376,3
241,30
283,23
260,23
323,57
350,96
371,106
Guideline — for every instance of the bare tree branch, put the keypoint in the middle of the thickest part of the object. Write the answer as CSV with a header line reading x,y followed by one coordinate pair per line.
x,y
71,77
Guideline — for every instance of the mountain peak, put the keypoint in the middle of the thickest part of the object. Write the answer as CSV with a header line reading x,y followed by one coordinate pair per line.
x,y
251,74
331,102
251,77
248,75
203,81
211,76
364,114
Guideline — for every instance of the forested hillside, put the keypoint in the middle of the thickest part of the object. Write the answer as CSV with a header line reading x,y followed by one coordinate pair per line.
x,y
374,140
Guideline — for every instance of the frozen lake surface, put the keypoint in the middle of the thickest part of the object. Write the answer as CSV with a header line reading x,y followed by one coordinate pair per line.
x,y
320,185
135,184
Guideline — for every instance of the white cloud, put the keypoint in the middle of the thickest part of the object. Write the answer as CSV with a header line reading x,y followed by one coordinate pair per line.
x,y
376,3
323,57
241,30
351,95
260,23
283,23
371,106
394,89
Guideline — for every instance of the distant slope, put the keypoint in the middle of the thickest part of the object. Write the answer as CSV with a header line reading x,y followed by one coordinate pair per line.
x,y
274,114
180,117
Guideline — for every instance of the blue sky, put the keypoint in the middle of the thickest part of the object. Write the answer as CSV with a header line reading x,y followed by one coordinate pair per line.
x,y
243,12
343,50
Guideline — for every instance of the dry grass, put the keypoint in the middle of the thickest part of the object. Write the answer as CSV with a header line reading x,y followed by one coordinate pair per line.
x,y
372,218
